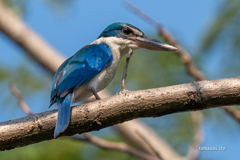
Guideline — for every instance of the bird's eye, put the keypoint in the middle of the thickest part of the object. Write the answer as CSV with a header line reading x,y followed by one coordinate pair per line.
x,y
127,31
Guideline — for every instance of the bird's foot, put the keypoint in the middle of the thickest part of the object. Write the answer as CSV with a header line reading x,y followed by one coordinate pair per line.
x,y
95,94
95,99
124,91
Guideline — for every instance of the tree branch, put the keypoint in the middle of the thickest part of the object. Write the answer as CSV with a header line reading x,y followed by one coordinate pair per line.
x,y
21,102
130,129
157,154
120,108
119,146
184,55
13,27
232,111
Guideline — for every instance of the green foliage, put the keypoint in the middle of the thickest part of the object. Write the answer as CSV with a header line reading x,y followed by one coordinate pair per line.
x,y
224,26
60,149
20,6
90,151
17,6
59,7
27,80
221,41
23,77
3,74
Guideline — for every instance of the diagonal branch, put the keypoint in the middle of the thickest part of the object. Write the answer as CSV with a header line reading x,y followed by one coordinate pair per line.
x,y
184,55
21,102
151,139
119,146
157,154
13,27
234,112
122,107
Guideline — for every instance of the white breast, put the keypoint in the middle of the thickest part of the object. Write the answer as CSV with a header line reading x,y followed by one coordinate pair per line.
x,y
101,80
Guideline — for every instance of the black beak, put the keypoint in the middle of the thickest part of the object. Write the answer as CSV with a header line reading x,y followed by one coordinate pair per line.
x,y
153,44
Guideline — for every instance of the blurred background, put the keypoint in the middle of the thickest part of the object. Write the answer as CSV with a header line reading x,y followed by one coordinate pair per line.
x,y
208,30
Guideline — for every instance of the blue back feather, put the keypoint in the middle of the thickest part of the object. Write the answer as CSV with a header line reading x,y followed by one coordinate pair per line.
x,y
81,67
57,74
76,71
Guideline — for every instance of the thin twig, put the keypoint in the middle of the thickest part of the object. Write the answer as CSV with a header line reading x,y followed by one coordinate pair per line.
x,y
125,69
21,102
119,146
185,57
149,144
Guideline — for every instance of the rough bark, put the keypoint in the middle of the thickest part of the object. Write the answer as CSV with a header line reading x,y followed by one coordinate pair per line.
x,y
122,107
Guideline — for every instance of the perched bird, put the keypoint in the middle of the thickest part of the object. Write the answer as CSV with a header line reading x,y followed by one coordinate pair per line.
x,y
94,66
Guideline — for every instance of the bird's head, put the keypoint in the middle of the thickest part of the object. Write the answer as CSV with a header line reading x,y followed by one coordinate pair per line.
x,y
127,36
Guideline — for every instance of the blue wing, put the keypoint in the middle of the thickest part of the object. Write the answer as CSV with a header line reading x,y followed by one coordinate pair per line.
x,y
80,68
76,71
55,79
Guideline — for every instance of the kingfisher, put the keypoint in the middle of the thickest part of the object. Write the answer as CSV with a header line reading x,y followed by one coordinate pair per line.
x,y
94,66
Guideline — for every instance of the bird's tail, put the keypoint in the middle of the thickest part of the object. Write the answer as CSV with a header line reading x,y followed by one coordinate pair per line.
x,y
64,105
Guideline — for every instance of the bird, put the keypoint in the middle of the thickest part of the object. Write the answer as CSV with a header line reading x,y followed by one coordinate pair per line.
x,y
94,66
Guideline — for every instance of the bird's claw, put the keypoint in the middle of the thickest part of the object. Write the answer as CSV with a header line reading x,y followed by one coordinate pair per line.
x,y
124,91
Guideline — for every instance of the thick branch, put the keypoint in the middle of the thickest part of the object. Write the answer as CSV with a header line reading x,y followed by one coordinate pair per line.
x,y
13,27
120,108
